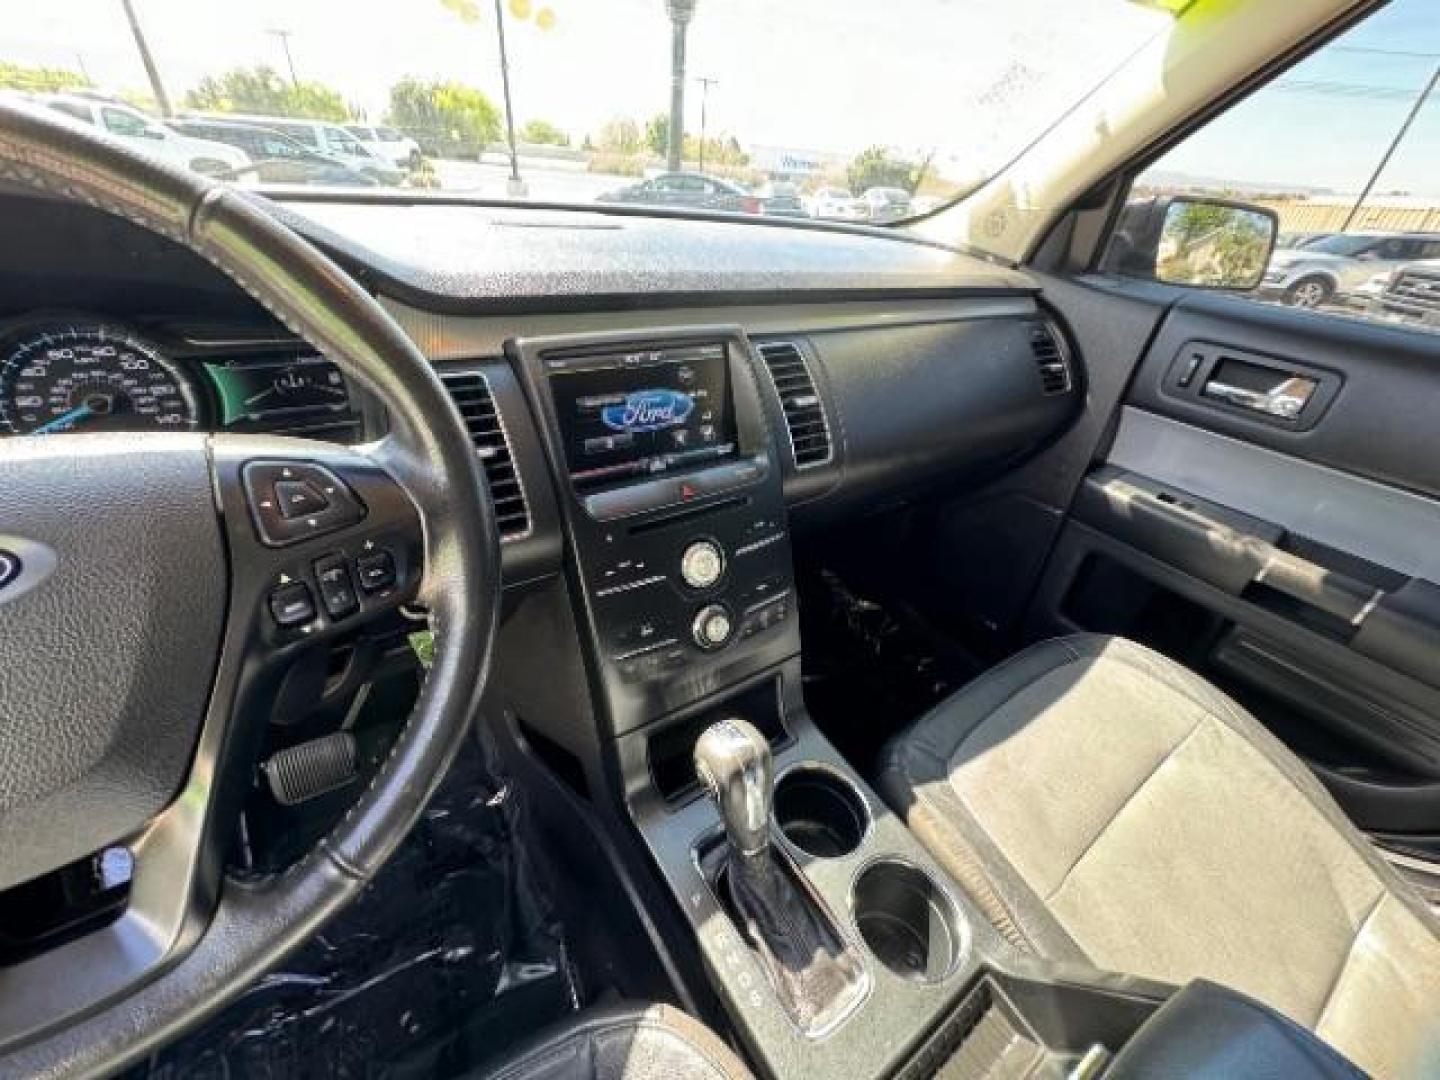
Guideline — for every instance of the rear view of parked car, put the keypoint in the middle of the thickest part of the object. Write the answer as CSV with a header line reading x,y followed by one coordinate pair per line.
x,y
884,204
781,199
835,204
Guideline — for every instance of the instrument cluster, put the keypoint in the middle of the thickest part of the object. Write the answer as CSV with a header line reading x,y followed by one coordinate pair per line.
x,y
90,375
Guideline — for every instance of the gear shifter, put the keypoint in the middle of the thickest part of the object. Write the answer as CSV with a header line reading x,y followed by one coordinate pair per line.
x,y
733,761
814,975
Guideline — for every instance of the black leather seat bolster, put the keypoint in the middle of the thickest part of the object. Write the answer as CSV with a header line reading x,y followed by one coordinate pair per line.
x,y
1206,1032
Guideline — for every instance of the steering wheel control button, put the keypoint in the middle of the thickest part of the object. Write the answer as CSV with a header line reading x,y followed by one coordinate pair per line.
x,y
299,498
336,591
292,501
712,627
291,604
702,564
376,571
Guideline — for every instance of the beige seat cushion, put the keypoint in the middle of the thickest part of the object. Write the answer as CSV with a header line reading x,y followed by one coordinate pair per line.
x,y
1102,803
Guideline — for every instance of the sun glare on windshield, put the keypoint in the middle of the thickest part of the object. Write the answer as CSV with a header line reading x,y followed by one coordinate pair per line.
x,y
818,110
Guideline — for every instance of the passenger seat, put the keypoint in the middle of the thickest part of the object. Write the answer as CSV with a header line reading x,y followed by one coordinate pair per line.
x,y
1101,803
623,1042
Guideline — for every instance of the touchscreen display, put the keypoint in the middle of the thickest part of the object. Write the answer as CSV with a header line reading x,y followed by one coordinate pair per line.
x,y
642,413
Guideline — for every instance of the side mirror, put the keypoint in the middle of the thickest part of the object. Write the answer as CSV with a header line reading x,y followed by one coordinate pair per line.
x,y
1200,242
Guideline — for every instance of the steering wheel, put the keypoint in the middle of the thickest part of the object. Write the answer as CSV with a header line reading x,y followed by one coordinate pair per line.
x,y
148,612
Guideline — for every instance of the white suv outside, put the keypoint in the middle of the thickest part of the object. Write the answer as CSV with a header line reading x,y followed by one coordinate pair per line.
x,y
149,134
1342,267
395,147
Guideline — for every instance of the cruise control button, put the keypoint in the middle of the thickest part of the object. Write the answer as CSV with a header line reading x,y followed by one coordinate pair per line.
x,y
336,591
376,571
291,604
269,483
296,498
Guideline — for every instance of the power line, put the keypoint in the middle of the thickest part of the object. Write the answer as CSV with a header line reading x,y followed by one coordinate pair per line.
x,y
1382,52
1334,88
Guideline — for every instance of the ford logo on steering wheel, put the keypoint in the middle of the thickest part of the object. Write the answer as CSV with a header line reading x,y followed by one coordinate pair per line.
x,y
9,567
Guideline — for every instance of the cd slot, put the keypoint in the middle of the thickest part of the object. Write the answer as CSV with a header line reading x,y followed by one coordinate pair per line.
x,y
689,513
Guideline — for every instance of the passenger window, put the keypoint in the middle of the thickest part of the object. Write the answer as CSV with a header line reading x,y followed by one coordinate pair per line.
x,y
123,123
79,112
1342,147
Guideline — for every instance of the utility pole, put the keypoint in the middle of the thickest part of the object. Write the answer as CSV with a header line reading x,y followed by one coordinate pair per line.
x,y
1390,150
515,187
162,99
284,36
680,15
705,84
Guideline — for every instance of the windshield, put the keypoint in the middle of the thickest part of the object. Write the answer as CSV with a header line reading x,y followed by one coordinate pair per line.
x,y
579,101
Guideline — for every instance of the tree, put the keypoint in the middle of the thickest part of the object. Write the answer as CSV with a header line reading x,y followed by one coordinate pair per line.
x,y
657,133
543,133
450,115
39,80
874,167
262,90
620,136
1212,244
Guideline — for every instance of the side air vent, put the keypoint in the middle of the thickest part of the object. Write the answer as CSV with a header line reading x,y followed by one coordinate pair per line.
x,y
1050,359
804,411
471,392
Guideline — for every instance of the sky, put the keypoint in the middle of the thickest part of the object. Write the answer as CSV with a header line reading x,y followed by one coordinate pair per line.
x,y
973,78
1327,121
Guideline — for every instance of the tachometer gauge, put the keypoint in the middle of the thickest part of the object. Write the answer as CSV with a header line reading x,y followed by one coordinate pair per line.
x,y
91,377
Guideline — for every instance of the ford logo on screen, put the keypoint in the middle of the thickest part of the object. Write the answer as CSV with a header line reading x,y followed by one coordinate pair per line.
x,y
648,410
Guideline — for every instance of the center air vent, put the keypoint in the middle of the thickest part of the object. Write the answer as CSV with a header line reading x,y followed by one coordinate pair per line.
x,y
804,412
1050,358
471,391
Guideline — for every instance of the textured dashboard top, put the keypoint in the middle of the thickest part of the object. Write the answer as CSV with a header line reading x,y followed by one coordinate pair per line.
x,y
465,257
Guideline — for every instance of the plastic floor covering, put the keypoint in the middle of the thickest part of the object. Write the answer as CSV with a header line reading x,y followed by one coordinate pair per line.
x,y
448,958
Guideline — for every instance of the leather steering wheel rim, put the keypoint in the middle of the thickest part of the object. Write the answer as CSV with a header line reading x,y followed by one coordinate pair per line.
x,y
429,454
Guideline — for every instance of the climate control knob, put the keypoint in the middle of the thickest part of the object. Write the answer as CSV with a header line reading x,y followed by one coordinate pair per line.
x,y
712,627
702,564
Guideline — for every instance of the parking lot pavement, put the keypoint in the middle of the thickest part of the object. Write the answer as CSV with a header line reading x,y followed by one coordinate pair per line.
x,y
545,183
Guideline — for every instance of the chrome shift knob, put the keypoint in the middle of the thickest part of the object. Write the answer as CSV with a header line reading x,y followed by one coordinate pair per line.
x,y
733,761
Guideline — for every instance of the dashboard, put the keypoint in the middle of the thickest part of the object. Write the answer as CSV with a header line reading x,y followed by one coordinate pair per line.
x,y
877,370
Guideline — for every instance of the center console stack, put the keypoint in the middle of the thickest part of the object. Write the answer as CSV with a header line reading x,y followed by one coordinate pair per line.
x,y
672,500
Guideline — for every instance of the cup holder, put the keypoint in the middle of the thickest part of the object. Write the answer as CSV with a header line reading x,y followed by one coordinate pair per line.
x,y
820,812
907,920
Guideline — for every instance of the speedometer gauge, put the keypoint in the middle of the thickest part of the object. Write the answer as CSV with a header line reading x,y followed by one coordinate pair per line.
x,y
91,377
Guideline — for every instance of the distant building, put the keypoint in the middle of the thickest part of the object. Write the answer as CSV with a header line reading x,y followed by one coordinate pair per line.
x,y
793,163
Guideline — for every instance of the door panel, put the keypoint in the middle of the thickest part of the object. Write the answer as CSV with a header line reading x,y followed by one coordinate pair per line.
x,y
1289,553
1381,423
